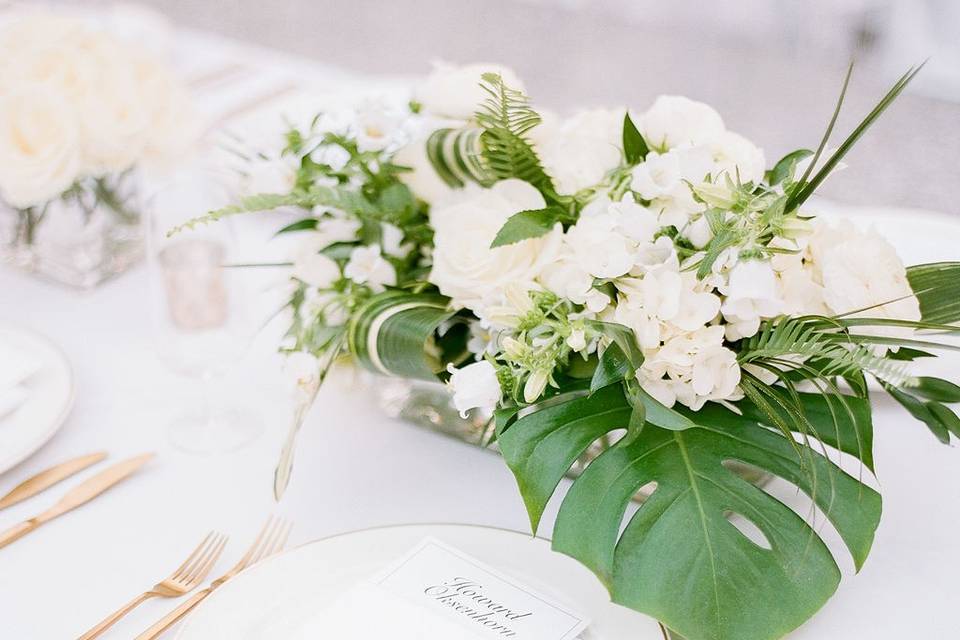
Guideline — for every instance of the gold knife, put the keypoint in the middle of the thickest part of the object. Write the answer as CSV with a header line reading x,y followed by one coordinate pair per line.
x,y
79,495
49,477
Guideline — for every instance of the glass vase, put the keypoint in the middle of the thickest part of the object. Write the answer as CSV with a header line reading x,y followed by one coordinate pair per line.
x,y
429,405
89,234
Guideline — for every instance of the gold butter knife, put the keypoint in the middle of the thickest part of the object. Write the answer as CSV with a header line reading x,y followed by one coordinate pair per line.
x,y
49,477
79,495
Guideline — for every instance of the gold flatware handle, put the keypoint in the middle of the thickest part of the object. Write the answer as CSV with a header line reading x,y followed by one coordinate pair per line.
x,y
49,477
110,620
79,495
171,618
16,532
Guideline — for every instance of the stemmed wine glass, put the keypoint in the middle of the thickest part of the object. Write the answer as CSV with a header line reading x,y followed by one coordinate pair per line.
x,y
204,308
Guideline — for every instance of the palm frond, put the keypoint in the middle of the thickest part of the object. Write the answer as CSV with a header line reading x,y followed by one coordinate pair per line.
x,y
823,339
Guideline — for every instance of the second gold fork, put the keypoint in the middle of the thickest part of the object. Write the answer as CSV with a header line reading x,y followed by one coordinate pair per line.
x,y
185,579
272,539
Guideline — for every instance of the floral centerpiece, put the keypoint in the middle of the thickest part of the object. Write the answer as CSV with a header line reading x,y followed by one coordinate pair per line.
x,y
642,277
79,110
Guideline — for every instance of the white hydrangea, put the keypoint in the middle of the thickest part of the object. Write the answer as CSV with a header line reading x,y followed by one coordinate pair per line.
x,y
665,180
860,271
663,302
751,296
692,368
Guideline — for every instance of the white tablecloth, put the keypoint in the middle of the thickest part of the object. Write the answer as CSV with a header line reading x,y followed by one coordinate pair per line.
x,y
355,469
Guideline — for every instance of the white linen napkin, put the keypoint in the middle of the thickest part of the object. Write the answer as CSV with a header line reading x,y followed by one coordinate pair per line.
x,y
16,368
368,612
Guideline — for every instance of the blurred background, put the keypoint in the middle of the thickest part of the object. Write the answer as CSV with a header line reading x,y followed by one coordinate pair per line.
x,y
773,68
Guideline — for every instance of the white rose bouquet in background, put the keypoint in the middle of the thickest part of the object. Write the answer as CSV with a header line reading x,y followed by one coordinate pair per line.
x,y
634,277
79,110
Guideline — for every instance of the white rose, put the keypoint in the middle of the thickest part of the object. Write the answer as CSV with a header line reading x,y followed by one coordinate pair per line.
x,y
475,386
737,156
422,179
675,120
175,126
751,296
579,152
454,91
368,266
465,267
114,116
39,146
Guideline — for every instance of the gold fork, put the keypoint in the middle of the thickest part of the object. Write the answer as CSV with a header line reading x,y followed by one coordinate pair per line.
x,y
271,539
185,579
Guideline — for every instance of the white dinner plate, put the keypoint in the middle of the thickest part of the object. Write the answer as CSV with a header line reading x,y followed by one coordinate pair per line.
x,y
50,397
272,599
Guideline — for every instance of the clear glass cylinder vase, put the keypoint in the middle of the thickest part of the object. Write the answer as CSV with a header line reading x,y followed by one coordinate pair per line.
x,y
90,233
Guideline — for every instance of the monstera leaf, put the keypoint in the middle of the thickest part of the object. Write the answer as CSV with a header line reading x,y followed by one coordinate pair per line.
x,y
680,558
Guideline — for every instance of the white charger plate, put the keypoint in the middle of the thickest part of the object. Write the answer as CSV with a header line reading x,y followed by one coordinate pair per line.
x,y
51,393
271,599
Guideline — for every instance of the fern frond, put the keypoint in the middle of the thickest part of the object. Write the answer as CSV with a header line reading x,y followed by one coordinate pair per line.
x,y
497,148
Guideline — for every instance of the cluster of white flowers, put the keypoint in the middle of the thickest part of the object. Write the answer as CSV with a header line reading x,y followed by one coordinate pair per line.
x,y
631,258
78,102
675,245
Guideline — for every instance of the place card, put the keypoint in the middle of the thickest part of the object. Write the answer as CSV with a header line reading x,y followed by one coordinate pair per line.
x,y
460,588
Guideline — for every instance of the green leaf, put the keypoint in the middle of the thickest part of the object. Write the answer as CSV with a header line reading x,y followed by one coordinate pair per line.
x,y
935,389
612,368
656,412
532,223
937,287
338,197
679,558
846,426
799,197
786,166
946,417
623,337
922,412
635,148
306,224
389,332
